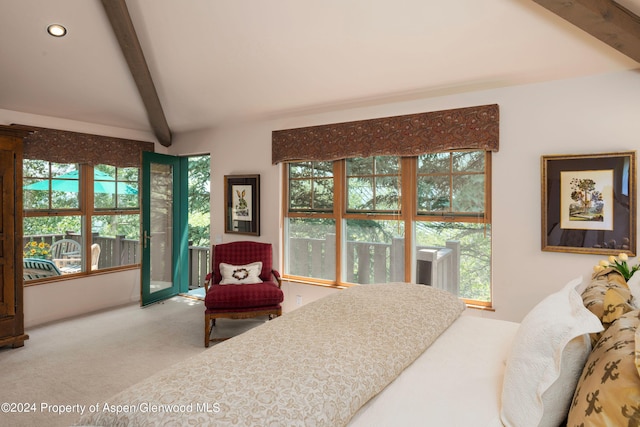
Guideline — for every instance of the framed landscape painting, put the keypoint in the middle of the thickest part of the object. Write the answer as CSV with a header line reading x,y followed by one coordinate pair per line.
x,y
589,203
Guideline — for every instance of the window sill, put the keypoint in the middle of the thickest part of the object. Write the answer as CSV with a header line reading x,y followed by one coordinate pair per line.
x,y
334,285
302,281
480,307
81,275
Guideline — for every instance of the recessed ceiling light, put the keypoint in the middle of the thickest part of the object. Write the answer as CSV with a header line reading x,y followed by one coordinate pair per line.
x,y
56,30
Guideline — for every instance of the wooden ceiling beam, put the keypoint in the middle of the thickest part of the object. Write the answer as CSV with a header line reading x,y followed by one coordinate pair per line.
x,y
604,19
120,20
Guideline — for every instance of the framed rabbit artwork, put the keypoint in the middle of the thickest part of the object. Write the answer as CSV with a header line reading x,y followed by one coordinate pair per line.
x,y
242,202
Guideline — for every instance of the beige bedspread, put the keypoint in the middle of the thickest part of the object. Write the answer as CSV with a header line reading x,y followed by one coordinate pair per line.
x,y
315,366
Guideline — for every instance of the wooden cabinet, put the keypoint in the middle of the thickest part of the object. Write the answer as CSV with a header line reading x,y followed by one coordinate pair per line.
x,y
11,283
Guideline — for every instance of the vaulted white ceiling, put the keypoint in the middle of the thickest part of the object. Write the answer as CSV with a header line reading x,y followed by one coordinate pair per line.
x,y
219,61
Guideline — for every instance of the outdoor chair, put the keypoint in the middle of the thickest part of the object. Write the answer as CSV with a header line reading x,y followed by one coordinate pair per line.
x,y
34,268
241,285
66,254
95,256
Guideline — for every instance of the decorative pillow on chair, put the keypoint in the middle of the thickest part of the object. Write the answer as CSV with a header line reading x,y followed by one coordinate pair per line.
x,y
608,393
546,359
240,274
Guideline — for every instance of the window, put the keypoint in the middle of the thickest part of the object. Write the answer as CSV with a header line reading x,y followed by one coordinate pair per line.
x,y
94,210
373,184
311,186
310,225
359,220
374,234
452,199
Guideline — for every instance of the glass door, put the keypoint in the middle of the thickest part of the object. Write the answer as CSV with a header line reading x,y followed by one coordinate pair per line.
x,y
164,223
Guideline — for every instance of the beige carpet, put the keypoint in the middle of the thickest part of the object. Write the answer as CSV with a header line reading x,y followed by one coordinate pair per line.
x,y
86,360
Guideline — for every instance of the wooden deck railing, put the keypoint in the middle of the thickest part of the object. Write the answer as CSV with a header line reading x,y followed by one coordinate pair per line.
x,y
199,265
439,266
117,251
368,262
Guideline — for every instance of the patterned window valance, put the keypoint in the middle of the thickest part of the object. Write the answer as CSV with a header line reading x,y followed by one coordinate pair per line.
x,y
410,135
61,146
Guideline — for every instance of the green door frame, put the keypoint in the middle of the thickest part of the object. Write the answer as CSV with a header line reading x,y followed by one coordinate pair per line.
x,y
180,249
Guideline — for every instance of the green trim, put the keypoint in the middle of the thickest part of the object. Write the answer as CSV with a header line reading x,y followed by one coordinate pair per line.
x,y
180,250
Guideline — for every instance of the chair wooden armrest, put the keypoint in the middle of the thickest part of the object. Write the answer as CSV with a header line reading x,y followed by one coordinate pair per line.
x,y
277,276
207,282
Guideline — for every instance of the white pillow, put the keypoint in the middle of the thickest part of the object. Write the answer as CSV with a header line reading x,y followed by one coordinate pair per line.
x,y
546,359
240,274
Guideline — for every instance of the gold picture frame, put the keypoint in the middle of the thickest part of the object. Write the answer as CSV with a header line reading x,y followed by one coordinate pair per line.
x,y
589,203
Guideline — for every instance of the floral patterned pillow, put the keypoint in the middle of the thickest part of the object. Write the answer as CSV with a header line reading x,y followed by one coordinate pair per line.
x,y
608,392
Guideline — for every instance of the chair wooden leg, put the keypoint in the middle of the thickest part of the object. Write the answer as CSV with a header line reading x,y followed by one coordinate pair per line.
x,y
209,324
207,330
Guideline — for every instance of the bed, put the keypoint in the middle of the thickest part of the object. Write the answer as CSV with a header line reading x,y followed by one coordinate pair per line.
x,y
375,355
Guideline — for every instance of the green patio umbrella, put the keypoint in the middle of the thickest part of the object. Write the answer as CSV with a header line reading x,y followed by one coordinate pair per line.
x,y
68,182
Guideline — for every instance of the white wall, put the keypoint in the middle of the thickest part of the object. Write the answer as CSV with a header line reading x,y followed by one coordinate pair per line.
x,y
59,300
585,115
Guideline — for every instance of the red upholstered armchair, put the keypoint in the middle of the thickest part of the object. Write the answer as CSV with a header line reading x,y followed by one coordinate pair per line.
x,y
238,287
